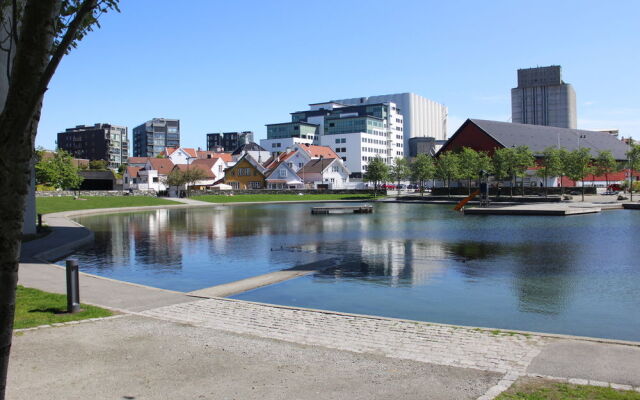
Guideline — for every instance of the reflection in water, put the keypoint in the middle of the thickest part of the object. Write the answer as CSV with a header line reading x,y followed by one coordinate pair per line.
x,y
405,260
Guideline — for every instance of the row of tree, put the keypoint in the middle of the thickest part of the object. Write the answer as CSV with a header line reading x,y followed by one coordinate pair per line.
x,y
507,164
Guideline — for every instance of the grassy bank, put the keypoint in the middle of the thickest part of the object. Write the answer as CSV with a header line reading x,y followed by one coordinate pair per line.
x,y
282,197
538,389
45,205
35,308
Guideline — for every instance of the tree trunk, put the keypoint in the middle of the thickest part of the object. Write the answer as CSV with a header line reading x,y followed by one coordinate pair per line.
x,y
18,124
469,186
511,184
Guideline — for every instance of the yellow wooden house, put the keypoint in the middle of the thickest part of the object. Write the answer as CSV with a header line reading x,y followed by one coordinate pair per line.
x,y
247,173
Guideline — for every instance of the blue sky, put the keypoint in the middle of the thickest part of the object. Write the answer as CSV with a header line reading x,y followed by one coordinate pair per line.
x,y
234,66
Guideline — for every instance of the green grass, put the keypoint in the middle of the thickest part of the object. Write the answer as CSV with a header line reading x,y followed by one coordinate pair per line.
x,y
45,205
545,390
282,197
35,307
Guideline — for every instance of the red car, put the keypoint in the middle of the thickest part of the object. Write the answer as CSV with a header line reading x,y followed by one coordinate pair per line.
x,y
388,186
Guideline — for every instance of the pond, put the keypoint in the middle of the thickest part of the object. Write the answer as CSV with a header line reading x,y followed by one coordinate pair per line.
x,y
575,275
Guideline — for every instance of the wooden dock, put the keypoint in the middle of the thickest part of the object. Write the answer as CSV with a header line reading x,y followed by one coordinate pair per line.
x,y
342,210
554,209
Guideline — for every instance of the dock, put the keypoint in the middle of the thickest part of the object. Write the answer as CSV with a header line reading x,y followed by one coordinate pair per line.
x,y
342,210
551,209
631,206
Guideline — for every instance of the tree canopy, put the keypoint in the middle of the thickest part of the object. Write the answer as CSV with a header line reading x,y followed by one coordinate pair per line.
x,y
377,172
422,169
57,171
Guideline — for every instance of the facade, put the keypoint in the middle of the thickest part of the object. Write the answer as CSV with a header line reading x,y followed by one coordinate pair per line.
x,y
180,155
229,141
247,173
542,98
254,149
330,173
151,137
357,133
283,176
97,142
488,136
422,117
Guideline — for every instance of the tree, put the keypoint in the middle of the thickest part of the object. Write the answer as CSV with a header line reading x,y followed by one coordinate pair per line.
x,y
550,165
524,159
447,167
468,165
633,156
58,171
98,165
605,164
422,169
377,172
400,170
578,165
502,164
34,38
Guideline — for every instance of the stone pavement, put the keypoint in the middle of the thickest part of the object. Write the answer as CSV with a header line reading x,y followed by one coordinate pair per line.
x,y
418,341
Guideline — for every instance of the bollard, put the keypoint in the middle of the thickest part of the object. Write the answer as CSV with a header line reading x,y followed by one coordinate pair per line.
x,y
73,286
40,221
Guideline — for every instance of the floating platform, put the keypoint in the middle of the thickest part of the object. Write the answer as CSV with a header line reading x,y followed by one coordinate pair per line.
x,y
540,209
631,206
342,210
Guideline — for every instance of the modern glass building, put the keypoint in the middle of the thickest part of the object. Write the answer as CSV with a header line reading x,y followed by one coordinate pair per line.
x,y
97,142
229,141
151,137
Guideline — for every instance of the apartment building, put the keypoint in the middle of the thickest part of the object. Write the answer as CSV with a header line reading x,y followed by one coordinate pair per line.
x,y
97,142
151,137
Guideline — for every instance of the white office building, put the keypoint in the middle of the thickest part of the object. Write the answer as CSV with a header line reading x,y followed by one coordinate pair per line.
x,y
422,117
356,133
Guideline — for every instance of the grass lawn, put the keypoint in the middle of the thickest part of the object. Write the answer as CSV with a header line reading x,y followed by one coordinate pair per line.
x,y
538,389
35,308
45,205
282,197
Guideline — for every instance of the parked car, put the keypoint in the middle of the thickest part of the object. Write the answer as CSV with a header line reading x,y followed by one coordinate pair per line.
x,y
387,186
614,187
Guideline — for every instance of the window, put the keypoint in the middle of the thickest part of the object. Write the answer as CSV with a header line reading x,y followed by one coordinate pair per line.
x,y
300,165
344,158
255,185
343,140
155,180
337,140
283,173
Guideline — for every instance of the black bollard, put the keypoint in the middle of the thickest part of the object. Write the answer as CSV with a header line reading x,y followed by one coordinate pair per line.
x,y
73,286
39,221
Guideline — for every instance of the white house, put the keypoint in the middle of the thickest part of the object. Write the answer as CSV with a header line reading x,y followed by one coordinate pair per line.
x,y
180,155
331,172
283,176
258,153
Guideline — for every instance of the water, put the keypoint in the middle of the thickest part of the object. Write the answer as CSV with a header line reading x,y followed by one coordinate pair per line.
x,y
575,275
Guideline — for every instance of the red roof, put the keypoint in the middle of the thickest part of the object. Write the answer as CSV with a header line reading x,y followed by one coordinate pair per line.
x,y
208,162
137,160
273,162
319,151
133,171
168,151
206,170
190,151
162,165
226,157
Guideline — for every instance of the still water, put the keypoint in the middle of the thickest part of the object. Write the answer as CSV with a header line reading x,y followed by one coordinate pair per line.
x,y
575,275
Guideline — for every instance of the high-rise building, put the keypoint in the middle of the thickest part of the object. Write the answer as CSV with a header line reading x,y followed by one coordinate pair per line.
x,y
229,141
357,133
151,137
97,142
422,117
543,98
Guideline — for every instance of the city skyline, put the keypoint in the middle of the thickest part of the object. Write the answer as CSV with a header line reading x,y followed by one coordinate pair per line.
x,y
220,76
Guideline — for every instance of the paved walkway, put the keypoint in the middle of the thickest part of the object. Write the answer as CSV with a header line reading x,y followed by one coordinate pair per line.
x,y
171,345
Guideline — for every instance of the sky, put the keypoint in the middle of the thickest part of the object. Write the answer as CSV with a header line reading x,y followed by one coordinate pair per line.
x,y
222,66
